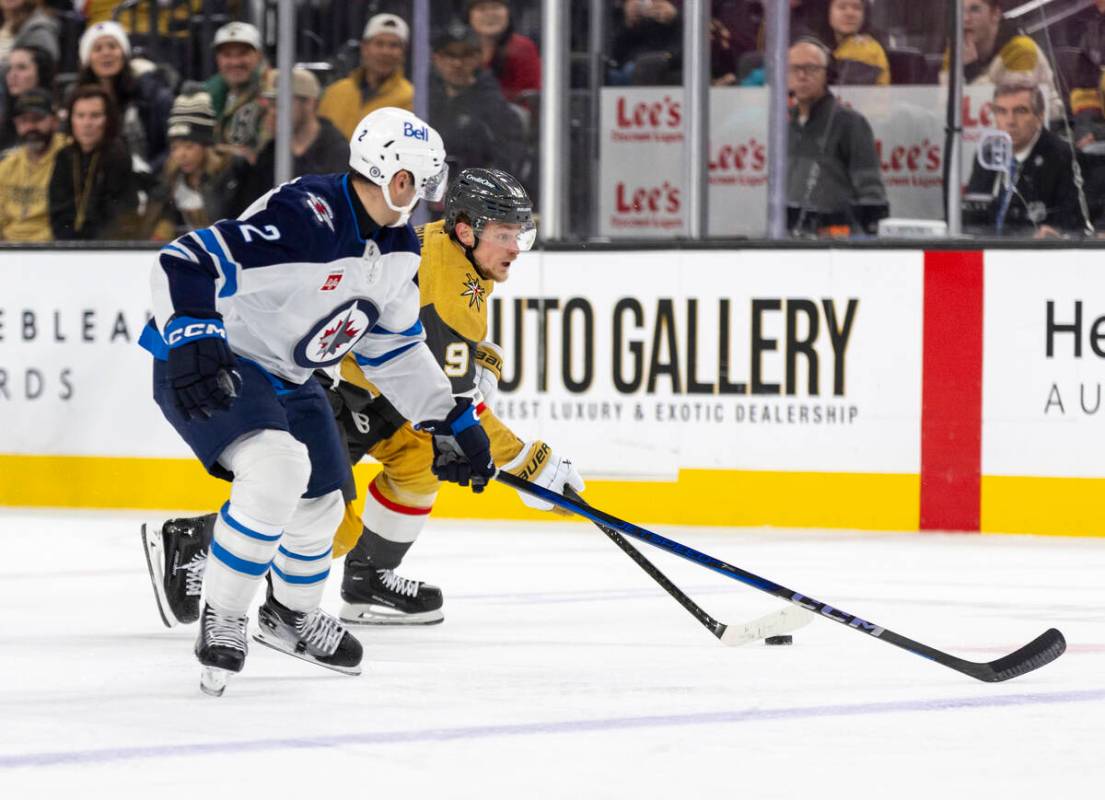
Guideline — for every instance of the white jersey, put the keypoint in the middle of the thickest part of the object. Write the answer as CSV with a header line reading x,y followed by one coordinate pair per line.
x,y
299,288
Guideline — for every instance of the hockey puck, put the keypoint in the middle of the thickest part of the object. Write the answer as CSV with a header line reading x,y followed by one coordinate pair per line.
x,y
785,639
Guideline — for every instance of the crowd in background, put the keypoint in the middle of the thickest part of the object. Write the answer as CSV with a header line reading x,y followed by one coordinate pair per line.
x,y
106,137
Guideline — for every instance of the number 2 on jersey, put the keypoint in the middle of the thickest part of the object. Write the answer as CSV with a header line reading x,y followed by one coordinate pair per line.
x,y
270,233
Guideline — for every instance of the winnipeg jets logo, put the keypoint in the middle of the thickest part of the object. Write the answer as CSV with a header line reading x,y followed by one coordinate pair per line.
x,y
324,215
336,338
474,291
333,336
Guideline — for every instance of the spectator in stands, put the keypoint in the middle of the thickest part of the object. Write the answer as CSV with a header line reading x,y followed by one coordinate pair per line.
x,y
1039,198
834,185
28,68
647,42
318,148
199,185
1086,31
511,58
236,90
995,52
92,190
25,171
141,97
26,25
860,59
736,32
378,82
467,106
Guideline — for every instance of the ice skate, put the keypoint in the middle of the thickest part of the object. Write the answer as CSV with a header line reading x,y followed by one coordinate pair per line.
x,y
313,636
176,555
374,596
221,649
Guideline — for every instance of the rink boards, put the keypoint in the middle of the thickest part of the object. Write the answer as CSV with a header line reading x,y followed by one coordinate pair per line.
x,y
877,389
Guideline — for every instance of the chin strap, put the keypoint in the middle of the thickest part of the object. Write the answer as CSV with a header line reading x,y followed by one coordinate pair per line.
x,y
403,211
469,252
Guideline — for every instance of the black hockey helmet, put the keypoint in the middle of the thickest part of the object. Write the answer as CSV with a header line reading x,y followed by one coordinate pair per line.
x,y
479,196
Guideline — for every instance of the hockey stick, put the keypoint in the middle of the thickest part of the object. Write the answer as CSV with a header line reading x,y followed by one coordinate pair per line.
x,y
1042,650
774,624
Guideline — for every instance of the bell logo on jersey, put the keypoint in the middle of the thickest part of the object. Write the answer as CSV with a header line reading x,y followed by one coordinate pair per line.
x,y
474,291
332,281
324,215
333,336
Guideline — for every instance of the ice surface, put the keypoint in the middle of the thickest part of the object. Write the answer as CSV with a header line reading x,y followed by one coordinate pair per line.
x,y
562,671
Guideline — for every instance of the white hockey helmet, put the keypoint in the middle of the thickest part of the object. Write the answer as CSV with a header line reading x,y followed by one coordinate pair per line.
x,y
390,140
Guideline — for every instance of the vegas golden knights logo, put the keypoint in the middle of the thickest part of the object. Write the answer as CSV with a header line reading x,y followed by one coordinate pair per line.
x,y
475,293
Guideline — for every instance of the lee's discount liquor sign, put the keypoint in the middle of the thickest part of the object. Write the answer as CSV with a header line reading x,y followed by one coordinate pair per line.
x,y
641,155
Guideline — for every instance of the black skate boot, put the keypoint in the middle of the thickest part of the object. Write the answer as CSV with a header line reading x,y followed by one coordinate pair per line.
x,y
375,596
314,636
176,555
221,648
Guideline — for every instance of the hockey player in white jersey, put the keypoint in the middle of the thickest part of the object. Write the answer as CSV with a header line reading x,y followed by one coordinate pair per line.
x,y
244,312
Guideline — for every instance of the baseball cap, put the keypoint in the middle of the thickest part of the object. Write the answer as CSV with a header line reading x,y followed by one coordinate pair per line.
x,y
304,84
456,34
387,23
34,101
240,33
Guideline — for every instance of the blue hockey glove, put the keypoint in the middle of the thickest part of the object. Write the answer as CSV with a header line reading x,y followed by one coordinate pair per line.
x,y
462,451
200,365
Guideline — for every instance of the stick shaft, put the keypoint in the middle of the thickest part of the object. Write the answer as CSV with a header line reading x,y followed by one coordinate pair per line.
x,y
1042,650
711,624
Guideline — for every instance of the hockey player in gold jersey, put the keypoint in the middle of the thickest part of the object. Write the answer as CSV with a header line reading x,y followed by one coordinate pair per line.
x,y
488,222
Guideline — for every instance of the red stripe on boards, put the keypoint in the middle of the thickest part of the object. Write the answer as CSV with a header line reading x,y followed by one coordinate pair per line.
x,y
951,393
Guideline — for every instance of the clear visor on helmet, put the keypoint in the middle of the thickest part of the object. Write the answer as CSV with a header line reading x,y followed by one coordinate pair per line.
x,y
506,233
433,188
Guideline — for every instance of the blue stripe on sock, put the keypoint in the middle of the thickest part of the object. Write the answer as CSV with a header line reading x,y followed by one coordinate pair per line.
x,y
299,557
224,512
253,568
300,578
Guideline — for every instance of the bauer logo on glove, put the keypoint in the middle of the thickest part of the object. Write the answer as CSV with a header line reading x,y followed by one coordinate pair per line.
x,y
538,464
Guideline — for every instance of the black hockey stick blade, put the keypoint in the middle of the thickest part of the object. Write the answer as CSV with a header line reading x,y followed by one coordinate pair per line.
x,y
1039,652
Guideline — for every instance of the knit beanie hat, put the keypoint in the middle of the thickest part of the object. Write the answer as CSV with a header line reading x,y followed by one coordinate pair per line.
x,y
112,29
193,119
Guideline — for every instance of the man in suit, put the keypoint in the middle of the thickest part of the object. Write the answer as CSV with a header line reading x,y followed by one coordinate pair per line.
x,y
1036,197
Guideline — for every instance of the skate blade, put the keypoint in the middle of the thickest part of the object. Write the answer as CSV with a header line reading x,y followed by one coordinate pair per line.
x,y
155,560
778,623
365,614
213,681
279,646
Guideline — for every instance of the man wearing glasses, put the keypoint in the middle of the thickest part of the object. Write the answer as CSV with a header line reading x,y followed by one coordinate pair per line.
x,y
834,186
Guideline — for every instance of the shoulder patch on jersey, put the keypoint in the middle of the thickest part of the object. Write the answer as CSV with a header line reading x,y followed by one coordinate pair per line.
x,y
324,214
474,291
420,232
